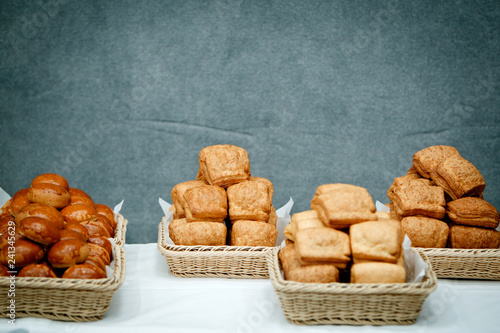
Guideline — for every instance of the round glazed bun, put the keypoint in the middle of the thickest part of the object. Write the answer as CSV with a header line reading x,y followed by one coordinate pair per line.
x,y
51,178
37,270
104,243
108,213
95,259
67,253
49,194
95,228
39,230
81,199
78,213
101,252
78,228
103,220
72,234
77,192
19,200
26,253
84,271
42,211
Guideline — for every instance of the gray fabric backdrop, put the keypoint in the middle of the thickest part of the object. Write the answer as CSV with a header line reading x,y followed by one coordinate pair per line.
x,y
120,96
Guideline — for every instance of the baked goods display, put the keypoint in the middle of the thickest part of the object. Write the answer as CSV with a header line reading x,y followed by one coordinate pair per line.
x,y
225,205
50,228
342,239
440,202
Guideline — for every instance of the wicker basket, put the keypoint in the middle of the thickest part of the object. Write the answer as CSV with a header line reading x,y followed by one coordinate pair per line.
x,y
121,229
350,304
241,262
481,264
64,299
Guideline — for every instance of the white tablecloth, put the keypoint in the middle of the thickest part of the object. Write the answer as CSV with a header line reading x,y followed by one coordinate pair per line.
x,y
152,300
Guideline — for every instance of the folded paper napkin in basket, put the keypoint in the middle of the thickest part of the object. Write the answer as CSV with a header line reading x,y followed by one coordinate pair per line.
x,y
283,214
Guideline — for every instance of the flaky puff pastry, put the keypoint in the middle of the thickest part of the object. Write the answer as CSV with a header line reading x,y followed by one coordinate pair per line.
x,y
177,195
407,180
425,231
253,233
205,203
182,232
323,245
377,272
376,240
340,205
464,237
249,200
416,199
224,165
426,160
474,212
304,220
295,271
459,178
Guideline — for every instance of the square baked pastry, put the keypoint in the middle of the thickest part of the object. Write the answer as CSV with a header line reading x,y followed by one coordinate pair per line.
x,y
187,233
177,195
249,200
425,231
253,233
376,240
340,205
323,245
427,159
224,165
205,203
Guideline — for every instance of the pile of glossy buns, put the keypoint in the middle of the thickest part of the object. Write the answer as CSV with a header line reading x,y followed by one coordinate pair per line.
x,y
343,239
440,202
52,230
224,205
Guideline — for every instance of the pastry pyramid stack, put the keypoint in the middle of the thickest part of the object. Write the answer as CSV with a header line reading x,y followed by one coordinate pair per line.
x,y
343,239
223,195
440,202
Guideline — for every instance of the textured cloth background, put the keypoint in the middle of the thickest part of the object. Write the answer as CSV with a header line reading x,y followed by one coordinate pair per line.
x,y
120,96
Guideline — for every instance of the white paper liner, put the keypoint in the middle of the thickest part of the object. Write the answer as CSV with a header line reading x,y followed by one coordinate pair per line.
x,y
4,197
283,214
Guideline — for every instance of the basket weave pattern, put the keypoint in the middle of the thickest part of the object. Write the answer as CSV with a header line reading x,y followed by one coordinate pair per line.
x,y
240,262
64,299
121,229
351,304
483,264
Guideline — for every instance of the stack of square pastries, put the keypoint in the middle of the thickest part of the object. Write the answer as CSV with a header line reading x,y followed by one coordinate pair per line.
x,y
440,202
343,239
224,194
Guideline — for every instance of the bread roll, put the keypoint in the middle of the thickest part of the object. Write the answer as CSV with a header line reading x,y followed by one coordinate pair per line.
x,y
104,243
67,253
340,205
103,220
78,228
177,195
426,160
26,252
205,203
422,200
95,228
42,211
37,270
51,178
84,271
425,231
473,212
96,260
78,213
323,245
224,165
197,233
464,237
19,200
39,230
49,194
101,252
253,233
77,192
80,199
72,234
377,272
249,200
4,271
376,240
108,213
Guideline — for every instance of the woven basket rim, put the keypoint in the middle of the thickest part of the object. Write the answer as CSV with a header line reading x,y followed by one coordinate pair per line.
x,y
459,252
121,229
427,286
164,247
112,283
